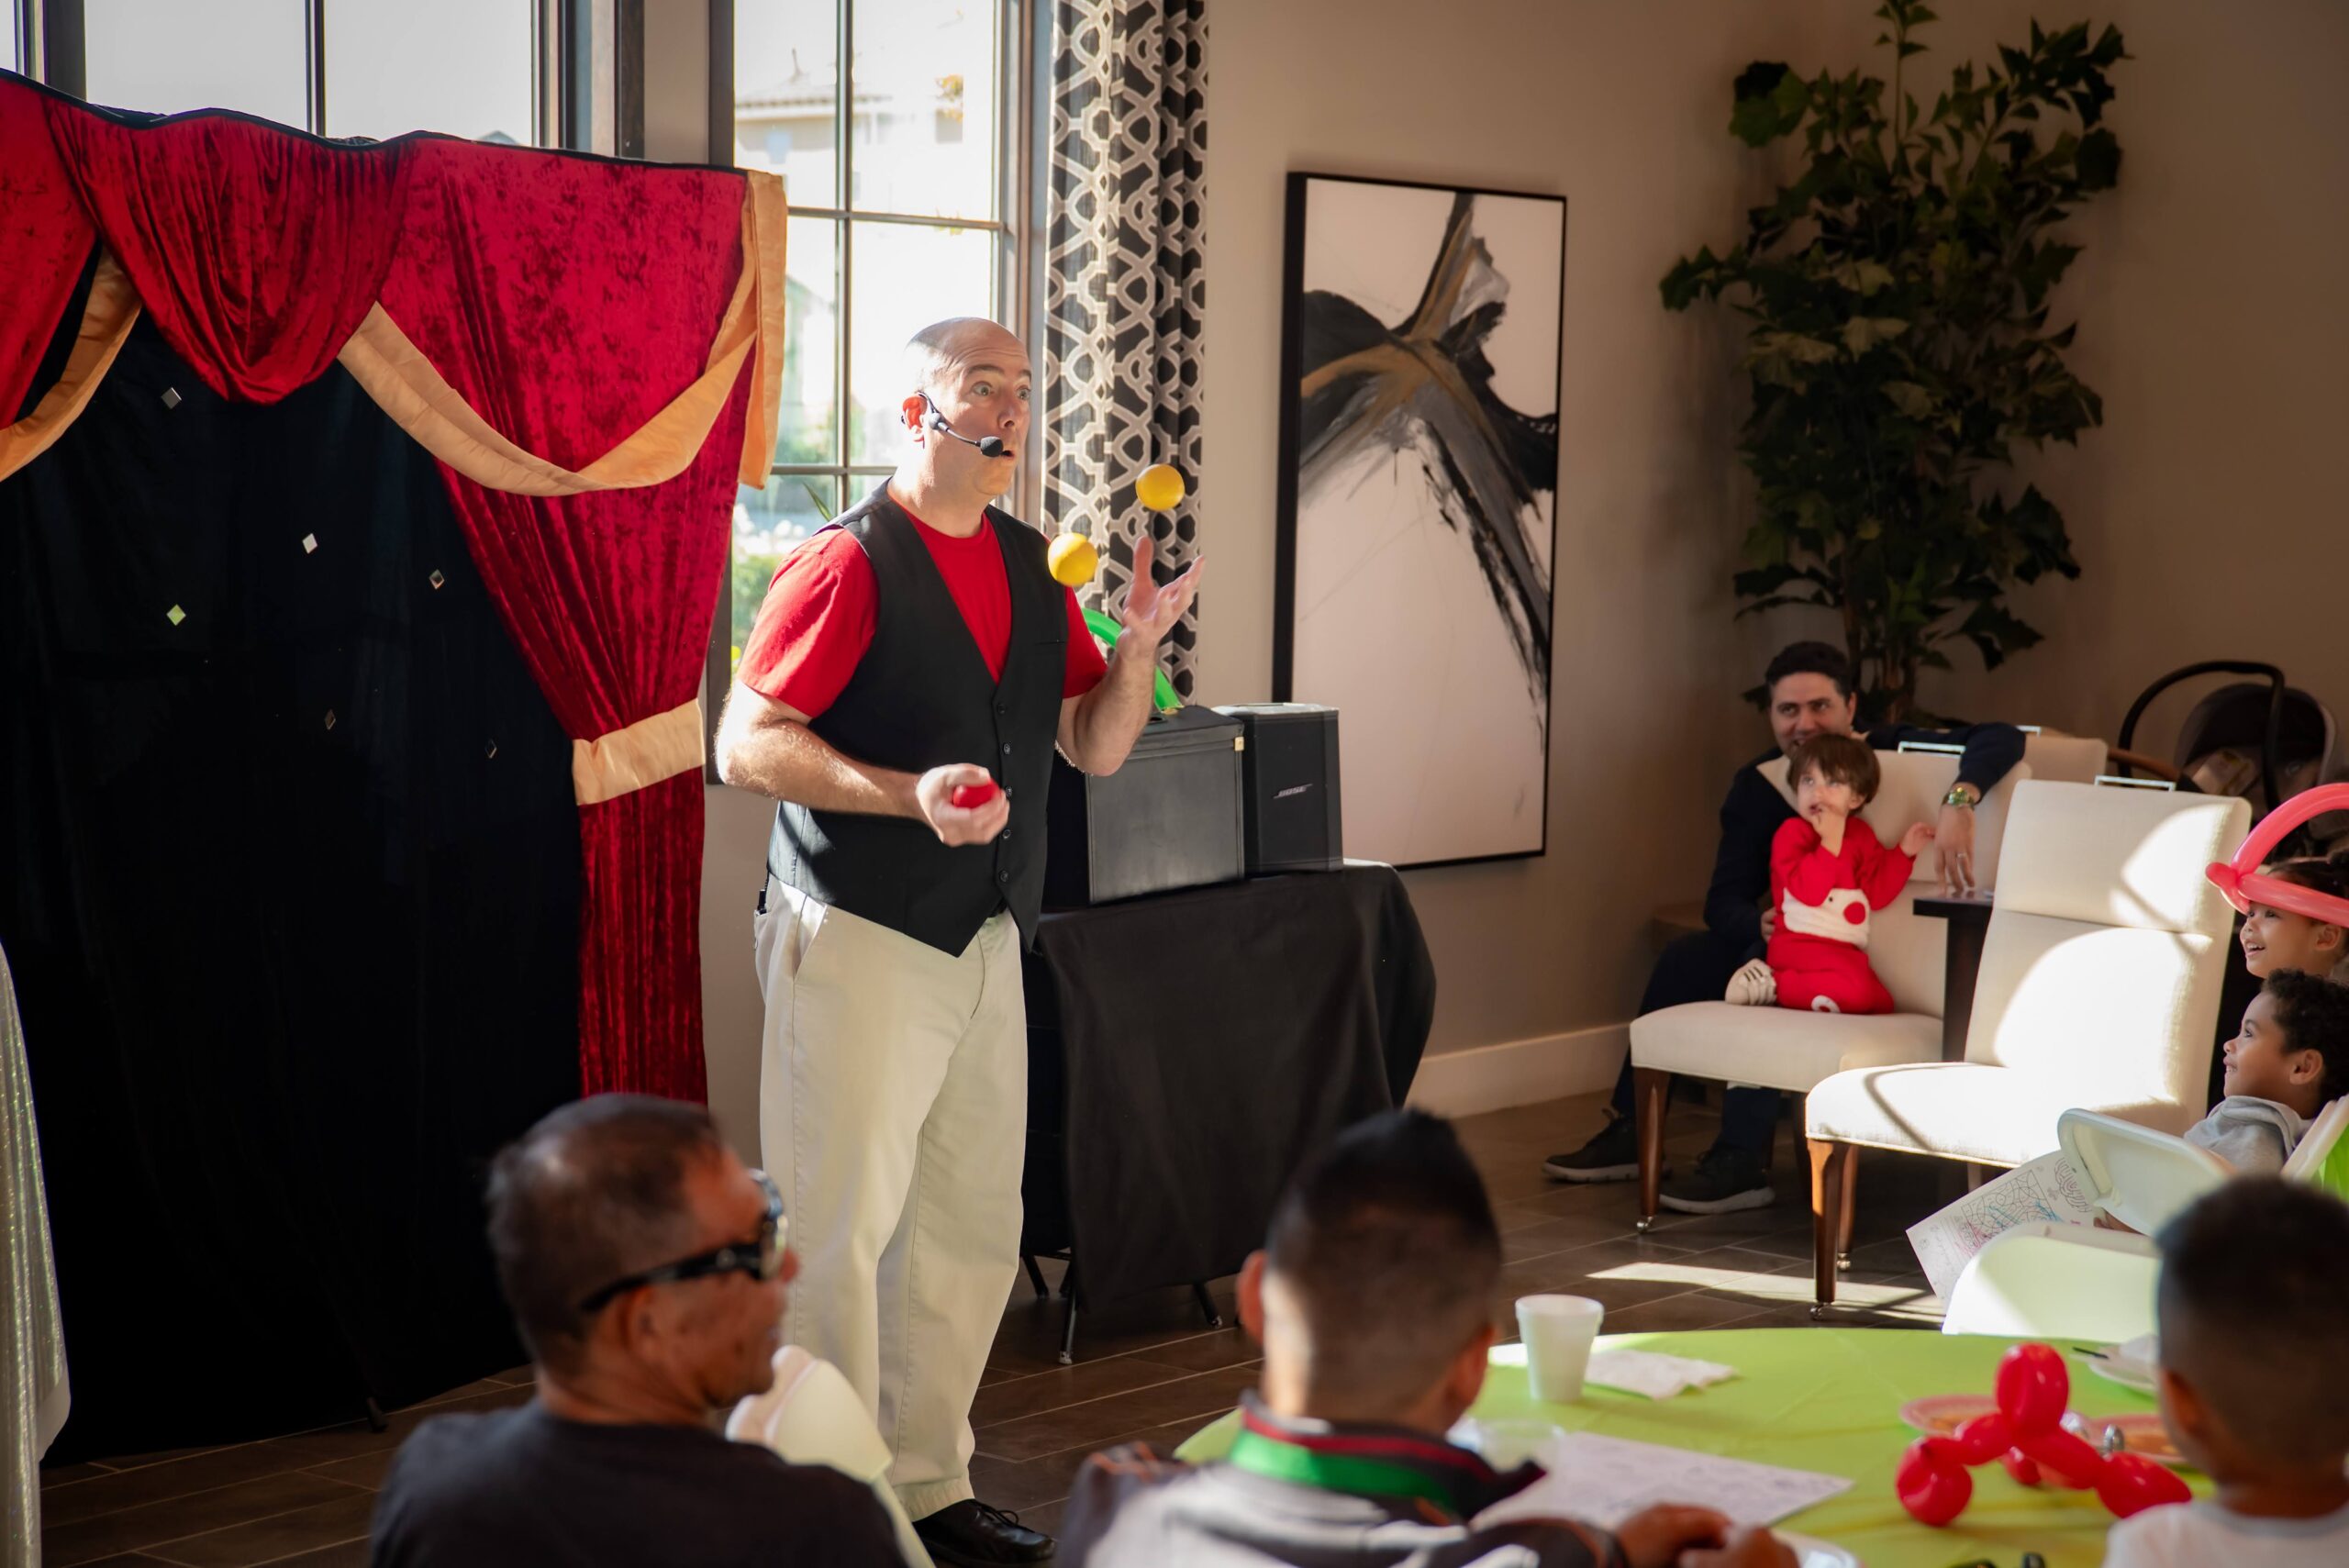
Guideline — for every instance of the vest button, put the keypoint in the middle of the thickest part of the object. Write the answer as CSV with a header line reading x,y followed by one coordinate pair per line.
x,y
1002,876
1002,710
1007,748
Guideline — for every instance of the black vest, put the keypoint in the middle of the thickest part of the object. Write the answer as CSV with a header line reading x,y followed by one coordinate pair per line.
x,y
921,698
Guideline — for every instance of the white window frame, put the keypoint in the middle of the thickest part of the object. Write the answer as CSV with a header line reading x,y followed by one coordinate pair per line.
x,y
1017,283
573,104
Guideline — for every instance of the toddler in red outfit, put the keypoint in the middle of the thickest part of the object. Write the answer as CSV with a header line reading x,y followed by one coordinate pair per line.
x,y
1827,873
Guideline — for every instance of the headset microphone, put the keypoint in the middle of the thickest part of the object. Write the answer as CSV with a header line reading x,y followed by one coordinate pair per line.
x,y
989,446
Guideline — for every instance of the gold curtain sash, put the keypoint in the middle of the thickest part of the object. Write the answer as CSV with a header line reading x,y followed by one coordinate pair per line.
x,y
107,320
637,754
396,374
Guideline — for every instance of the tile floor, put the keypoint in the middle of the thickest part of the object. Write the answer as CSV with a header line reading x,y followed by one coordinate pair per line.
x,y
1145,1369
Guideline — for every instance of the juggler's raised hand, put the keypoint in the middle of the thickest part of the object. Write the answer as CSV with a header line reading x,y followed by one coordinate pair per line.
x,y
1152,607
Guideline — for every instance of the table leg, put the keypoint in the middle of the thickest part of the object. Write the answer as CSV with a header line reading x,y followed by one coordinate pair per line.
x,y
1206,1304
1831,1163
1651,1090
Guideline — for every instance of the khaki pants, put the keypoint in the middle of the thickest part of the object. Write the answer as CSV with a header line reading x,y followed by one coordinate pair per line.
x,y
893,1112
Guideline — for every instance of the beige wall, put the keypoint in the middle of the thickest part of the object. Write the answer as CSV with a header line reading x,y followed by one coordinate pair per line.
x,y
1621,109
2206,513
2207,322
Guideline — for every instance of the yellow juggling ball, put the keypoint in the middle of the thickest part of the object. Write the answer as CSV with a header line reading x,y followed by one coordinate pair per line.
x,y
1072,560
1159,488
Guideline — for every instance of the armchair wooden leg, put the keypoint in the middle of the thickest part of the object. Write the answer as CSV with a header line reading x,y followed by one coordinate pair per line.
x,y
1850,1184
1651,1089
1830,1165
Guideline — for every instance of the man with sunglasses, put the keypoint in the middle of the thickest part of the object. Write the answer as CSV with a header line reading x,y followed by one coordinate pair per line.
x,y
911,673
646,1269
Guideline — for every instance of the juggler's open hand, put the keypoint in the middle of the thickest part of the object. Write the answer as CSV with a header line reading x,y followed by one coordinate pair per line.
x,y
1152,607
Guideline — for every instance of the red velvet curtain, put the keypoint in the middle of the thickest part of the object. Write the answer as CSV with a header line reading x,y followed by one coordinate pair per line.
x,y
567,299
44,238
256,252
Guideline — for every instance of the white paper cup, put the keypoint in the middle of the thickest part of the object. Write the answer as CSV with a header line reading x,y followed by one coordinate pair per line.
x,y
1557,1331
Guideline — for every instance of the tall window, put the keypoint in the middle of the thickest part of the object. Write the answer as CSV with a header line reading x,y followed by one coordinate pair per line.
x,y
897,173
373,68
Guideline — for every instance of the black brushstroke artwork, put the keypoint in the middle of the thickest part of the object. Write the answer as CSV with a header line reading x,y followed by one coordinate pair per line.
x,y
1425,387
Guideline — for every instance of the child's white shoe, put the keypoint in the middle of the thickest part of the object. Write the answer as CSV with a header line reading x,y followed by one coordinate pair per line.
x,y
1752,986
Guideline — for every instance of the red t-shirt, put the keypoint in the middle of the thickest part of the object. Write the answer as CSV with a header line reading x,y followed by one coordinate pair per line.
x,y
818,617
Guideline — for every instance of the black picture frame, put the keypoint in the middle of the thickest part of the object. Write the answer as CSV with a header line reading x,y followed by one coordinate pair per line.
x,y
1284,567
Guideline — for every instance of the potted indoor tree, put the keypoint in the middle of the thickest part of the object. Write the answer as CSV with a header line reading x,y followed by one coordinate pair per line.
x,y
1900,347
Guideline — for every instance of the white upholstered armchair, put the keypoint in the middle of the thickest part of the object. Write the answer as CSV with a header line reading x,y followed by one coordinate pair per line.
x,y
2099,988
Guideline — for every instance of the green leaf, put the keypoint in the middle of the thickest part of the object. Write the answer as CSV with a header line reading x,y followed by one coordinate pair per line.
x,y
1760,112
1911,399
1861,333
2099,162
1690,278
1863,277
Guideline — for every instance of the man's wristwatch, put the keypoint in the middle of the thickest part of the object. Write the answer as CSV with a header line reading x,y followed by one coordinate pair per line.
x,y
1963,796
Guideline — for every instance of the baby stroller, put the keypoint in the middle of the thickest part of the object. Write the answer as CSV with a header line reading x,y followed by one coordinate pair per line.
x,y
2262,739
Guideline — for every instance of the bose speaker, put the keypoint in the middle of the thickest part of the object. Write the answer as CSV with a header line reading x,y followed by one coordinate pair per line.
x,y
1289,778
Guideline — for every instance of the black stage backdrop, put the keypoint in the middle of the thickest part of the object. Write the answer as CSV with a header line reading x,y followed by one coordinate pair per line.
x,y
291,896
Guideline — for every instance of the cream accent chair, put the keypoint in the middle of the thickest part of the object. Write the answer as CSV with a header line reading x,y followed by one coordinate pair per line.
x,y
2065,758
2099,989
812,1416
1777,1048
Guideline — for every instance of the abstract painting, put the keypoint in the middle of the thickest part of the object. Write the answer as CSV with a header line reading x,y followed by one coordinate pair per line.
x,y
1418,506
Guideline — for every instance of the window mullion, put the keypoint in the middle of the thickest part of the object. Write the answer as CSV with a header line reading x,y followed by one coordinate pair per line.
x,y
844,172
314,22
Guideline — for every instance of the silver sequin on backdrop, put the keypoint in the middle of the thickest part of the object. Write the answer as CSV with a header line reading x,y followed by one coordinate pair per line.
x,y
1124,284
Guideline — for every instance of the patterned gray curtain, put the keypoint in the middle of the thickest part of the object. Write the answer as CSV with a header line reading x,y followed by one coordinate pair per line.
x,y
1124,289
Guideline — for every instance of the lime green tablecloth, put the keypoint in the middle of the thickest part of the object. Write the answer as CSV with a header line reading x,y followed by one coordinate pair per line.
x,y
1829,1400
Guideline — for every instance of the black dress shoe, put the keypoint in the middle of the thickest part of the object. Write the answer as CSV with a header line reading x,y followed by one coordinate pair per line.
x,y
969,1534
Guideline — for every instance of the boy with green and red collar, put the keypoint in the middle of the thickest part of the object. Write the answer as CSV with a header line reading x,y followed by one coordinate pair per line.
x,y
1372,1301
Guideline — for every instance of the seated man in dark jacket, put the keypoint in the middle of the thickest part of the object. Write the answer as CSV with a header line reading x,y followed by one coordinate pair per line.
x,y
646,1269
1810,694
1373,1301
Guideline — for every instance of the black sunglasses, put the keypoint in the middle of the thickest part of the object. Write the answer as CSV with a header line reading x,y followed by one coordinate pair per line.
x,y
762,1259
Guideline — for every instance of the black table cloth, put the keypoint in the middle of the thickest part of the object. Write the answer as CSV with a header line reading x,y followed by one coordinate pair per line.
x,y
1188,1051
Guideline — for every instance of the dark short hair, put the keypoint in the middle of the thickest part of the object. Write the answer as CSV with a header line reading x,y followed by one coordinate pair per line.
x,y
2314,1013
2255,1314
594,1193
1386,1242
1810,659
2327,876
1840,759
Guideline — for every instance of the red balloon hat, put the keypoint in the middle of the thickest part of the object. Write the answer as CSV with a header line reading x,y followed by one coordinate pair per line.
x,y
2239,878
